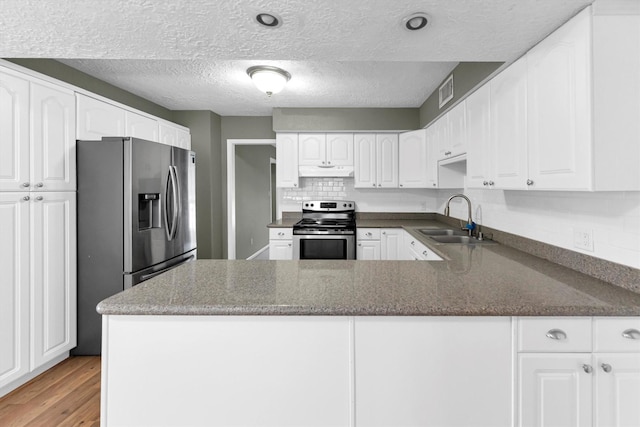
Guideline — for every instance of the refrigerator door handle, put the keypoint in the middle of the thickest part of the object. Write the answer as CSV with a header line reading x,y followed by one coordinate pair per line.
x,y
178,201
171,190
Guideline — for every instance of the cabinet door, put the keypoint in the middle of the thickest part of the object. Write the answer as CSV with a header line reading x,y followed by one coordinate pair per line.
x,y
53,260
433,371
340,149
559,108
617,389
479,139
391,243
53,139
184,139
432,155
141,127
509,126
365,175
14,134
554,390
287,160
387,160
14,292
168,134
280,249
96,119
412,159
457,123
368,250
312,149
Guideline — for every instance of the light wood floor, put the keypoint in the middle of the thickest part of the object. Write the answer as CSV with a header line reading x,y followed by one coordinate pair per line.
x,y
66,395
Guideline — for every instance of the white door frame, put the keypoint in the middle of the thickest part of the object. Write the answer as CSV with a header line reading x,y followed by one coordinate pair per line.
x,y
231,188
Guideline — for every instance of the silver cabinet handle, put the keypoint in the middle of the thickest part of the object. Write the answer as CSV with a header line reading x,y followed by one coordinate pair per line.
x,y
374,184
631,334
557,334
413,242
425,253
606,367
369,234
25,184
434,184
359,244
379,185
40,185
328,163
446,153
491,183
280,233
529,182
39,198
485,183
587,368
323,162
289,244
401,185
295,185
384,232
26,198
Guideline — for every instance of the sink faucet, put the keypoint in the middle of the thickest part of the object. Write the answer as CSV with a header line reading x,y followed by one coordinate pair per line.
x,y
470,224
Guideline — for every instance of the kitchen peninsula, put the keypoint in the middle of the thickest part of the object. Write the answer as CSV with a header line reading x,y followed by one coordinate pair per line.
x,y
358,343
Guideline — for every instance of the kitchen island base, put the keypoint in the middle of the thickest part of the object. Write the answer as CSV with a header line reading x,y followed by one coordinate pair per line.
x,y
306,371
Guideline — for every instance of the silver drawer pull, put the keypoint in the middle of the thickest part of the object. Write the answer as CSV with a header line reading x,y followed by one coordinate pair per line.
x,y
631,334
606,367
369,234
587,368
557,334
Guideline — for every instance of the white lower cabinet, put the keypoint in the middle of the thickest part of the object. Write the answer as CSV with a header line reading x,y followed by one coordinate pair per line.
x,y
391,243
433,371
368,244
562,382
38,263
280,243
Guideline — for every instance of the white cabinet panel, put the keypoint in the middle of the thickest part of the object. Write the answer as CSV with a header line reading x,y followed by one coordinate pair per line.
x,y
312,149
287,158
412,159
14,133
368,250
617,389
184,139
340,149
391,243
509,126
479,167
140,126
387,160
280,249
53,139
14,292
433,371
53,261
555,334
96,119
365,172
559,108
555,390
455,142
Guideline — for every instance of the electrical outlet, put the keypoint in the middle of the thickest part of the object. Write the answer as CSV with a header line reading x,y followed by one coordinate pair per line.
x,y
583,239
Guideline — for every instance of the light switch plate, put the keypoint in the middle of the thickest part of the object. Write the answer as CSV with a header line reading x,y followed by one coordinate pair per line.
x,y
583,239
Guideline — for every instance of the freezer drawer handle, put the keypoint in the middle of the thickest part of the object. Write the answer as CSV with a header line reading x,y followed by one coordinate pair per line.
x,y
156,273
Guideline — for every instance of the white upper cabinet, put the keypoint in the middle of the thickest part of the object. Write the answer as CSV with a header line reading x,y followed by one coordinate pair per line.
x,y
413,159
172,135
53,139
14,133
37,142
141,127
509,125
433,135
455,142
98,118
387,160
320,149
558,108
478,129
376,160
287,155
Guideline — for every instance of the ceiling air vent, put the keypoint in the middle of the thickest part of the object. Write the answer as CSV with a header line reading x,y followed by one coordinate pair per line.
x,y
445,91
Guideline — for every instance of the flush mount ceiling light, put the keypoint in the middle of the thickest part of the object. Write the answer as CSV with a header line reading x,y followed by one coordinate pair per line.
x,y
268,79
416,21
268,20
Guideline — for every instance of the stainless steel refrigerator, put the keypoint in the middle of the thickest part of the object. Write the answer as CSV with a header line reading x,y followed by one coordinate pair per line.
x,y
136,219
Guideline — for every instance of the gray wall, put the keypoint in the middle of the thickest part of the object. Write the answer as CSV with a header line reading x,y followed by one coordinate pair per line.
x,y
344,119
205,141
233,127
253,201
466,76
72,76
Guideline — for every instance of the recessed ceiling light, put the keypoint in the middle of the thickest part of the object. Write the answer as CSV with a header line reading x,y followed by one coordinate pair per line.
x,y
416,21
268,20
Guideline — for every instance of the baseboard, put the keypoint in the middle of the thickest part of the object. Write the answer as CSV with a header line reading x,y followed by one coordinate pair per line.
x,y
257,254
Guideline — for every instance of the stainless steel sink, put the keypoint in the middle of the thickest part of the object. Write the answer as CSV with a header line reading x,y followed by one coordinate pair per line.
x,y
459,239
441,232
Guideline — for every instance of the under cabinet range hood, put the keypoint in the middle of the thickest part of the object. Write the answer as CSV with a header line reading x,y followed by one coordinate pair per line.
x,y
325,171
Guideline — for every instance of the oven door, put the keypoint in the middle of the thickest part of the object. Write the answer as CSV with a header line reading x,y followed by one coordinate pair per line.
x,y
324,246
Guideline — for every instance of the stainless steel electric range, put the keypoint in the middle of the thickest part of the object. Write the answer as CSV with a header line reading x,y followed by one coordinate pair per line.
x,y
327,230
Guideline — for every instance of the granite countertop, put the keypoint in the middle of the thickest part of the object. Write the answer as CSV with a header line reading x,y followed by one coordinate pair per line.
x,y
473,280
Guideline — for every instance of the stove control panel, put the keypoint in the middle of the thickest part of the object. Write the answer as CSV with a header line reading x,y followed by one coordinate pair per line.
x,y
329,206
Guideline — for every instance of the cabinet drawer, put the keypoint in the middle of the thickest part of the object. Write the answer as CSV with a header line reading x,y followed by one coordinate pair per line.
x,y
368,234
280,233
554,334
616,334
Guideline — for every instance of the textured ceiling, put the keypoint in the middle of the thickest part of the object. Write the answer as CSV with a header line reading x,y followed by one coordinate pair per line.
x,y
193,54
